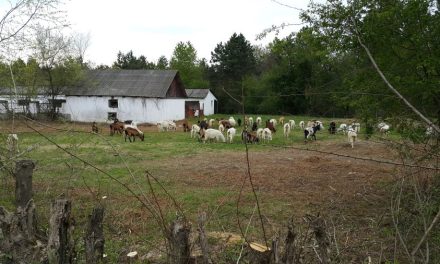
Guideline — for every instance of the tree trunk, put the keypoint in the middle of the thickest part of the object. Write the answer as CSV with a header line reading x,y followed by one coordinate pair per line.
x,y
323,250
18,236
179,242
203,241
23,182
60,245
94,236
289,255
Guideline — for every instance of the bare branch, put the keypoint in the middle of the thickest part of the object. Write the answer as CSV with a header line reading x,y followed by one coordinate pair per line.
x,y
425,235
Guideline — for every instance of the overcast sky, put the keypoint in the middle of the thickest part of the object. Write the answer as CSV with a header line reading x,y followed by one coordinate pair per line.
x,y
153,28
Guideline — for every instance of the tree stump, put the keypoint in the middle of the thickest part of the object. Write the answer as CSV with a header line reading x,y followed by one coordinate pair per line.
x,y
94,236
289,253
179,242
318,225
203,240
60,245
23,182
18,233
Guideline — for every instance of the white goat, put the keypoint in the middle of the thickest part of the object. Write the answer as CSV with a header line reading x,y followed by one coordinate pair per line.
x,y
194,131
12,143
343,128
232,121
267,135
230,134
166,125
383,128
212,134
221,128
211,122
260,133
310,131
292,124
250,121
258,120
352,135
286,130
172,125
302,125
273,121
356,127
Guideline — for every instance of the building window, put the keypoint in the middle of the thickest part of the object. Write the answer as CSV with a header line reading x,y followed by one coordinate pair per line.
x,y
57,102
23,102
113,103
112,116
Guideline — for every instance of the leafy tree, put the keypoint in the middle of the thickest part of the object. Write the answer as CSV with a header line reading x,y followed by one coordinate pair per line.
x,y
185,60
232,62
162,63
129,61
401,35
52,52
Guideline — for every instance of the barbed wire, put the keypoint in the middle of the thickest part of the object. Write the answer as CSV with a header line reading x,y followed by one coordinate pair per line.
x,y
354,157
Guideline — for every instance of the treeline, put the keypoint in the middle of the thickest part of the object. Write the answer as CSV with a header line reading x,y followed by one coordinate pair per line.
x,y
321,70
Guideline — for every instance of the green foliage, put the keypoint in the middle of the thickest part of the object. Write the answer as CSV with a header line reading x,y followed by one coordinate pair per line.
x,y
231,62
402,36
162,63
129,61
190,68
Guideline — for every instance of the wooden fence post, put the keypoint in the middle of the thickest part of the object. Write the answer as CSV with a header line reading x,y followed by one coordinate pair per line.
x,y
60,248
323,251
203,241
94,236
289,252
18,233
179,242
23,182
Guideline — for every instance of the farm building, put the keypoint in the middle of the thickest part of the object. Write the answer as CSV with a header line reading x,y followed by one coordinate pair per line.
x,y
202,100
27,101
142,95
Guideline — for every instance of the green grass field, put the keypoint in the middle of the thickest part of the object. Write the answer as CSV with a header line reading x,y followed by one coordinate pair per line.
x,y
85,167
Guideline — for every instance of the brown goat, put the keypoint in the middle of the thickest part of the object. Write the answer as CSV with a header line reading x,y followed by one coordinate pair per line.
x,y
116,127
95,128
270,126
133,133
186,126
225,123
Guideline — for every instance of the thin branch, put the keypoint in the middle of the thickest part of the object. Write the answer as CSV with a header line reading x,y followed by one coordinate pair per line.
x,y
425,235
245,233
233,98
289,6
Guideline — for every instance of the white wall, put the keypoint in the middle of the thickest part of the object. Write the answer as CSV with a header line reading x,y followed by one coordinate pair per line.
x,y
144,110
208,104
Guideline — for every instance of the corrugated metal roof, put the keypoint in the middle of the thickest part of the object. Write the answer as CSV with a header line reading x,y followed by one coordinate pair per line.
x,y
136,83
21,90
197,93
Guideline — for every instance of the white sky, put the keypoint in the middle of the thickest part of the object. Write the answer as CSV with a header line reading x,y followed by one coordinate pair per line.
x,y
153,28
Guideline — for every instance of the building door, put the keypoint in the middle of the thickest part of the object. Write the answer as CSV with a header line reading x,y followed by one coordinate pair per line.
x,y
191,107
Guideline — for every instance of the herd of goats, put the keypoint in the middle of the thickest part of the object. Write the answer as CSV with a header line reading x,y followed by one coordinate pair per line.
x,y
253,131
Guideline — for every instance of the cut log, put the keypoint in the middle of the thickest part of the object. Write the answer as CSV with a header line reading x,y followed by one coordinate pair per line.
x,y
203,240
23,182
60,247
18,236
94,236
179,242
